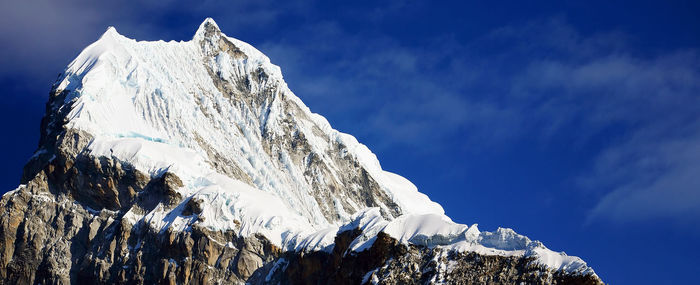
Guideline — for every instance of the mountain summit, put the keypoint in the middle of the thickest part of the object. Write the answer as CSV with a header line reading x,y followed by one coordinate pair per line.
x,y
193,162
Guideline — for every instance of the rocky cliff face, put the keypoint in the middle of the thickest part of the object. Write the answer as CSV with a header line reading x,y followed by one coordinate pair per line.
x,y
52,240
192,162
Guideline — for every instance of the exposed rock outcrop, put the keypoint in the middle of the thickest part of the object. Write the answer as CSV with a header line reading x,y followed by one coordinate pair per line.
x,y
53,239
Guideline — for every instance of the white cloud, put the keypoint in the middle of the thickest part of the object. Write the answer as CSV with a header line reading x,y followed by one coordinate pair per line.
x,y
649,167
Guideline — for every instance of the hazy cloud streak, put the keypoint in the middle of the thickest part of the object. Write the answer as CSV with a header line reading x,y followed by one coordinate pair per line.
x,y
639,112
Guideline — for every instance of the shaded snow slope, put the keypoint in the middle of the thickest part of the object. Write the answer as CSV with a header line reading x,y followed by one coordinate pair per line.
x,y
215,112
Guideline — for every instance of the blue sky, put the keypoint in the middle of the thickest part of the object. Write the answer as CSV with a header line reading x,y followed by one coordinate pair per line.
x,y
575,123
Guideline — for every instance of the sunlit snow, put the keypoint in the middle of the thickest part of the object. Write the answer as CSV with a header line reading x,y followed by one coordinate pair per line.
x,y
143,103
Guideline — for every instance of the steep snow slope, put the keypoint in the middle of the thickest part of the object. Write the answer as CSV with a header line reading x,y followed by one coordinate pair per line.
x,y
215,112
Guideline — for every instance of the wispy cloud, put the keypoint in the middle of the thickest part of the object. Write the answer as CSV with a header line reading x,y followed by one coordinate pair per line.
x,y
652,106
644,112
402,94
539,80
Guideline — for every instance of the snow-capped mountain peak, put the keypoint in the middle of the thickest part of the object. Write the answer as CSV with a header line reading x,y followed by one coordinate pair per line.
x,y
217,106
111,32
216,115
203,26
